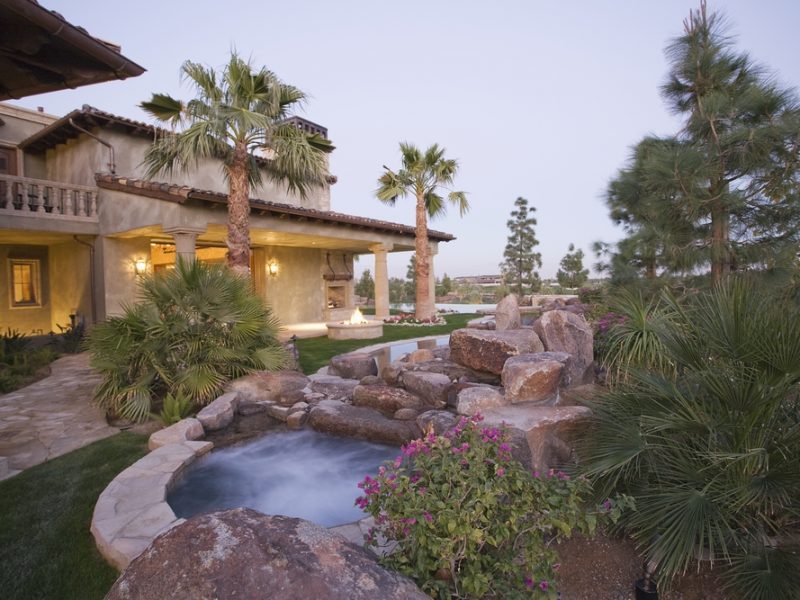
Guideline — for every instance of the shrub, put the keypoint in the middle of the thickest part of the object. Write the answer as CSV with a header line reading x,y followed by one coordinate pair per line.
x,y
19,364
632,340
708,444
174,409
196,328
469,521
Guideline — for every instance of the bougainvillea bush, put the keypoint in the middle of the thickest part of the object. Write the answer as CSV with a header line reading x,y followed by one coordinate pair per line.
x,y
466,520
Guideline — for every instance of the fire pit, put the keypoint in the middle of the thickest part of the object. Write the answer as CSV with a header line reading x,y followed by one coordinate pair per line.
x,y
355,328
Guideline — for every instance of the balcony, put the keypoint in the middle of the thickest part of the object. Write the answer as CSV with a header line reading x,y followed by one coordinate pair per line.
x,y
38,200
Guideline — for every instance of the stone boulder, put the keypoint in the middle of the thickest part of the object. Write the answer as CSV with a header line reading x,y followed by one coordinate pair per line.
x,y
548,431
421,355
337,418
219,413
391,372
431,387
183,430
354,365
332,387
507,315
241,553
385,399
267,385
439,420
479,399
534,377
562,331
489,350
441,352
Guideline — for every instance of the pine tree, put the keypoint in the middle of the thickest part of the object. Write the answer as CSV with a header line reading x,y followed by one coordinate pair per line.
x,y
572,274
520,260
411,279
729,179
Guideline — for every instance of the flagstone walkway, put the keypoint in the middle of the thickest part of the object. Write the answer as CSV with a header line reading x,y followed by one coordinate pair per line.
x,y
50,417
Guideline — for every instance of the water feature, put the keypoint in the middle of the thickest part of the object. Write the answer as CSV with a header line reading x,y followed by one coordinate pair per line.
x,y
295,473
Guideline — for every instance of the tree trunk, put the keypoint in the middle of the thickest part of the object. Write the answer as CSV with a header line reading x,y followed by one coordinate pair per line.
x,y
239,213
720,254
424,307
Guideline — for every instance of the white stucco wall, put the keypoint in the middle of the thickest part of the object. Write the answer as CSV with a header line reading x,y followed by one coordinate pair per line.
x,y
70,283
296,294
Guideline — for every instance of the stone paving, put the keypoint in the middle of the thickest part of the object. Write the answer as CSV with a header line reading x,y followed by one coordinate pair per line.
x,y
50,417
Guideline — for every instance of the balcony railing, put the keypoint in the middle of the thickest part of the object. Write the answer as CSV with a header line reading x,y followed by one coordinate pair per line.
x,y
24,196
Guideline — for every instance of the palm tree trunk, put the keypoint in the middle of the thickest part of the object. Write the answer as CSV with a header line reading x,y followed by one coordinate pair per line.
x,y
424,304
239,213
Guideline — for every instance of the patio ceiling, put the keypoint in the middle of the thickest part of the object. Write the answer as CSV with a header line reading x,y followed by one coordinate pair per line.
x,y
216,235
40,51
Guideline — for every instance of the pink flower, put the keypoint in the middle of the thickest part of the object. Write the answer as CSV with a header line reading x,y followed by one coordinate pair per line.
x,y
428,517
536,474
544,586
529,582
501,471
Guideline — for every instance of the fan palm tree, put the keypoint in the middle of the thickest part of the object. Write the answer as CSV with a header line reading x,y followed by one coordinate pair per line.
x,y
422,176
235,113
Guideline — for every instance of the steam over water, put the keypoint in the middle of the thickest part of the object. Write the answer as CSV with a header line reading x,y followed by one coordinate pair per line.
x,y
298,473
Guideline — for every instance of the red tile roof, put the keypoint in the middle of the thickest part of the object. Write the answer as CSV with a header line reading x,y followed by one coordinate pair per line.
x,y
182,194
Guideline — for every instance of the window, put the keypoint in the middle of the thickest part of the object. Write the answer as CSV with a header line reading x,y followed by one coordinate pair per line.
x,y
24,282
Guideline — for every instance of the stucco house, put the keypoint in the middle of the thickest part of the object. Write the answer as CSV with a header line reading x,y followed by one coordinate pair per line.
x,y
79,225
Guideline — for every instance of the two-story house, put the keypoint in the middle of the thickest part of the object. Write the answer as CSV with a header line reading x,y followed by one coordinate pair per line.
x,y
79,225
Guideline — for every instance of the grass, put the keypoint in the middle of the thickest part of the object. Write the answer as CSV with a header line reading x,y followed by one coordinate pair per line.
x,y
46,549
317,352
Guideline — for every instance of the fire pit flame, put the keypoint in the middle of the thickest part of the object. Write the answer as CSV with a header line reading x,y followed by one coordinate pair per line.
x,y
356,318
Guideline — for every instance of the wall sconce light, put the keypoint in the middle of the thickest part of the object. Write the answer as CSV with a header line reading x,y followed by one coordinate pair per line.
x,y
140,266
273,268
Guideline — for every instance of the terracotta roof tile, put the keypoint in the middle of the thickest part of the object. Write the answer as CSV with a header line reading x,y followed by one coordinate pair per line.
x,y
181,194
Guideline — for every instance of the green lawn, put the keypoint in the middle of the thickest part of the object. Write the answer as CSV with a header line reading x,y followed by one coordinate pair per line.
x,y
46,549
317,352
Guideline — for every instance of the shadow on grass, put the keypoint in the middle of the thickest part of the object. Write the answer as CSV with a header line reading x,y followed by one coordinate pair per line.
x,y
46,549
317,352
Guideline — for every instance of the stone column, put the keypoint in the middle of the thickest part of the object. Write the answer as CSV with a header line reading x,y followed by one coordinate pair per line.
x,y
185,239
433,250
381,280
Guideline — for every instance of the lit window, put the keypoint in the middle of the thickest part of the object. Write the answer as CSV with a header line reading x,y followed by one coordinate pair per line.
x,y
24,282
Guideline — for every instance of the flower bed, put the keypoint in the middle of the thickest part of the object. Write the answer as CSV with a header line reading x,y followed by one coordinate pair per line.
x,y
410,320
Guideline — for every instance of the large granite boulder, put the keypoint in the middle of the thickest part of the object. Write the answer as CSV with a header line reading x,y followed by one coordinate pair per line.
x,y
549,432
431,387
355,365
333,387
385,399
534,377
346,420
394,372
489,350
219,413
267,385
562,331
241,553
479,399
438,420
507,315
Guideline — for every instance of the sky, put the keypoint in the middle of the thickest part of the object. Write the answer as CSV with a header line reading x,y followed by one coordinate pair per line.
x,y
536,99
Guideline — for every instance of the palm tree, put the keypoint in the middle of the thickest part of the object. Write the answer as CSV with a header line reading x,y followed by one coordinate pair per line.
x,y
421,176
235,113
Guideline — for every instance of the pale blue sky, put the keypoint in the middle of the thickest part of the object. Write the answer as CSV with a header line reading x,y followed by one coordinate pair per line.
x,y
535,99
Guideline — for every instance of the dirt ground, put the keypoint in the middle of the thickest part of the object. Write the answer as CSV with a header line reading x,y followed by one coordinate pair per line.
x,y
605,568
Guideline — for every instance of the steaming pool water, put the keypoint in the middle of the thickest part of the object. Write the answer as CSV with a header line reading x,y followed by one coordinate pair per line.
x,y
301,474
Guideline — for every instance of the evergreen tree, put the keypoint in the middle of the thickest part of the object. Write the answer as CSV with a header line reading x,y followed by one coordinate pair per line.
x,y
397,290
366,285
572,274
520,260
445,286
411,279
722,194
